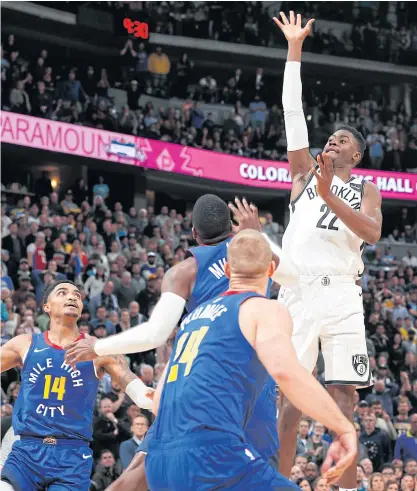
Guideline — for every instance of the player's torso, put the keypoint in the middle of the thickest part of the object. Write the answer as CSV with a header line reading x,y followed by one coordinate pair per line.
x,y
214,375
54,399
316,240
211,279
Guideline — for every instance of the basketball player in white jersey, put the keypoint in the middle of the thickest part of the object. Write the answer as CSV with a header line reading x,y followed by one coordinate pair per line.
x,y
333,215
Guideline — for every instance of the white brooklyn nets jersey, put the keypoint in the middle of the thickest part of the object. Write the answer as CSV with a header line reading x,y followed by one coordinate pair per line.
x,y
316,240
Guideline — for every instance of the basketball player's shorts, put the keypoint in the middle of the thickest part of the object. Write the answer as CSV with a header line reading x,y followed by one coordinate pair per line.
x,y
329,310
144,447
210,460
33,465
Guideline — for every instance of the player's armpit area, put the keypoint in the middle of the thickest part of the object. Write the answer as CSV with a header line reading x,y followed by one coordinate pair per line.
x,y
301,163
180,279
12,352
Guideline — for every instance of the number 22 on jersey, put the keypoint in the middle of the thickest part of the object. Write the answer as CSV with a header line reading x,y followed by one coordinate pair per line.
x,y
58,387
186,352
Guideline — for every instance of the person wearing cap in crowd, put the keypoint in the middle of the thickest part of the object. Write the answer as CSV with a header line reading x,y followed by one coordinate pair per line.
x,y
384,394
24,268
361,411
68,204
99,331
25,287
150,267
383,421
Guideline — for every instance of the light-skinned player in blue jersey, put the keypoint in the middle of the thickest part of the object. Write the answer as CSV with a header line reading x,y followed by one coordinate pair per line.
x,y
54,410
200,277
223,355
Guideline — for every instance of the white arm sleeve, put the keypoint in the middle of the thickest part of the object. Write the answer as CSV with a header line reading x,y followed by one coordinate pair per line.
x,y
295,123
138,391
286,273
149,335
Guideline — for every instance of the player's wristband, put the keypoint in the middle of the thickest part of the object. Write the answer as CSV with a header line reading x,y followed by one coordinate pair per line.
x,y
138,391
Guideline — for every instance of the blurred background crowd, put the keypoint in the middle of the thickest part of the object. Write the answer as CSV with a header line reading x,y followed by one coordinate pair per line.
x,y
81,229
81,92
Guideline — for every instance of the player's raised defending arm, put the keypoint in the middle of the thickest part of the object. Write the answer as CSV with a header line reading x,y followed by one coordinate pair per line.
x,y
12,353
366,223
286,273
268,327
295,124
167,313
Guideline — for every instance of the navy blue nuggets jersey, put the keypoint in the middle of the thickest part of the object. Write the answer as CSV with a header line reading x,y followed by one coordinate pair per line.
x,y
214,376
211,280
54,399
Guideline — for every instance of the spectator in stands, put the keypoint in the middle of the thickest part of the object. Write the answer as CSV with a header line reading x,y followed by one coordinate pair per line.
x,y
128,54
128,122
159,67
316,447
14,244
68,205
128,448
406,446
101,319
376,442
101,189
108,431
302,438
258,112
183,75
107,471
208,88
19,99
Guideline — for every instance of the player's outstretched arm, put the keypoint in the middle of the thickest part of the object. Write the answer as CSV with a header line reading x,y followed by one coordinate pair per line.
x,y
12,353
176,288
286,273
267,326
295,125
366,223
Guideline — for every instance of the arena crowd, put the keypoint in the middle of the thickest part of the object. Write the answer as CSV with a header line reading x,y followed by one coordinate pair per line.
x,y
254,127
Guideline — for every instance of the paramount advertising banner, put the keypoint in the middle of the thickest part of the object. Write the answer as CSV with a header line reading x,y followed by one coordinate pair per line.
x,y
66,138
